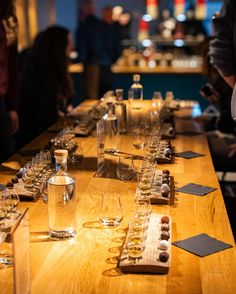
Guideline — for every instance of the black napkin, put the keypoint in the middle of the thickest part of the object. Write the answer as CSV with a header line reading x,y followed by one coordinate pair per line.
x,y
189,154
2,187
195,189
202,245
189,133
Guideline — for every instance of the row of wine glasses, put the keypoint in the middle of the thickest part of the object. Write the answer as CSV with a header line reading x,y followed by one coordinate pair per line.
x,y
9,215
138,229
36,172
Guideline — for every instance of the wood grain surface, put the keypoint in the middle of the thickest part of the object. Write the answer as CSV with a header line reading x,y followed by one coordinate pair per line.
x,y
88,263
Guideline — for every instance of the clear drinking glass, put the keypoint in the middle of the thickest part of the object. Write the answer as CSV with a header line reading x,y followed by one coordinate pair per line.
x,y
139,139
111,213
125,169
135,245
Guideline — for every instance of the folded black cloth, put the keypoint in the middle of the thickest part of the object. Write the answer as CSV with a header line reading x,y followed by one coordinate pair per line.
x,y
195,189
202,245
189,154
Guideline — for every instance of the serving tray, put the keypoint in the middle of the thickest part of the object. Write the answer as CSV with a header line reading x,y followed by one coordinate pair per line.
x,y
150,261
156,190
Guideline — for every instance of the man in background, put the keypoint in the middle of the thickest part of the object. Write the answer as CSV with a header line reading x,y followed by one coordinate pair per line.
x,y
97,51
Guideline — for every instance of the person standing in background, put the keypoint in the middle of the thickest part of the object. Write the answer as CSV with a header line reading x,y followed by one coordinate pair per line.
x,y
97,46
222,50
90,46
112,48
8,77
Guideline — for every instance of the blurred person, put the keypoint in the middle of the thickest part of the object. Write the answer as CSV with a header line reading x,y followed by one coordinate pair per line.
x,y
8,77
90,48
96,45
223,47
217,92
113,48
222,50
46,86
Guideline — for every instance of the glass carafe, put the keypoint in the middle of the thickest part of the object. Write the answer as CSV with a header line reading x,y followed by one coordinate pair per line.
x,y
61,200
111,130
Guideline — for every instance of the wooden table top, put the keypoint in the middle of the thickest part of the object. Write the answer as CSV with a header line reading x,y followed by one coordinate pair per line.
x,y
87,263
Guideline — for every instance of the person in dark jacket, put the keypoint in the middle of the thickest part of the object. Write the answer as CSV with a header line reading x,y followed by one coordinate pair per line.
x,y
8,78
46,86
222,50
97,47
223,47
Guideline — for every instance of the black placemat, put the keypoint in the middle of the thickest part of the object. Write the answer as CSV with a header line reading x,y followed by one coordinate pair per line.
x,y
2,187
189,154
202,245
195,189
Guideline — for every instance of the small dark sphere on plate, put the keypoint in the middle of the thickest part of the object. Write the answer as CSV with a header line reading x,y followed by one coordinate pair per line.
x,y
165,181
165,194
167,152
165,227
163,256
10,185
166,171
165,219
14,180
19,174
165,235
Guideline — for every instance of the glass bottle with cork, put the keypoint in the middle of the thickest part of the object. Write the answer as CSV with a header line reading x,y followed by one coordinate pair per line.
x,y
61,200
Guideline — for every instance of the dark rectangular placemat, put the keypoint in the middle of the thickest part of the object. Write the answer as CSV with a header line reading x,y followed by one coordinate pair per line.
x,y
202,245
189,154
195,189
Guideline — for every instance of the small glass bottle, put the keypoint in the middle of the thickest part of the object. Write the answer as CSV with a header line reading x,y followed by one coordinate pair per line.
x,y
61,200
120,111
136,89
111,130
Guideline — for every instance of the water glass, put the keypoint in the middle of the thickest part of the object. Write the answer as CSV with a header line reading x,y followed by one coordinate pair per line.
x,y
139,137
125,169
111,213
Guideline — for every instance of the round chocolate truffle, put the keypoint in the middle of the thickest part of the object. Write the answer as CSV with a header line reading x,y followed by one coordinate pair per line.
x,y
165,190
165,219
163,256
167,152
171,131
19,174
163,245
166,171
164,194
10,185
14,180
165,181
165,235
165,227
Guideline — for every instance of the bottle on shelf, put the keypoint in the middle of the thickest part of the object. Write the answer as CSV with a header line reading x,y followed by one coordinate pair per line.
x,y
61,200
120,111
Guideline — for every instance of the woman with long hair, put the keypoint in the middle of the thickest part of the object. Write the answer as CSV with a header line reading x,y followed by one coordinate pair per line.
x,y
8,77
46,86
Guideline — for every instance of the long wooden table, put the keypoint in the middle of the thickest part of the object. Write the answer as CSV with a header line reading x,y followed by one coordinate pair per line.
x,y
88,263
